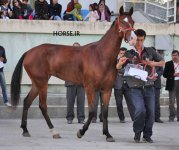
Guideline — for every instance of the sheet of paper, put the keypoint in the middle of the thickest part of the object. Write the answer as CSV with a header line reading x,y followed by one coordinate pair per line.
x,y
140,74
1,64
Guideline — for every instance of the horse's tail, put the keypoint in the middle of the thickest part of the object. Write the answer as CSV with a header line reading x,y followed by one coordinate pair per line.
x,y
15,82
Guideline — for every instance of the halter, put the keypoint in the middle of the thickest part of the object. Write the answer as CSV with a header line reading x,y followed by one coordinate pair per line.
x,y
152,75
120,29
153,71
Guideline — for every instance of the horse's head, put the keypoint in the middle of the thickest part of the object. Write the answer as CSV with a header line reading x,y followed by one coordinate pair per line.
x,y
125,24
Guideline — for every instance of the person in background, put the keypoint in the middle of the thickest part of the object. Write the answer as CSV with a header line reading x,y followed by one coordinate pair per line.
x,y
103,11
95,5
121,88
70,7
157,85
97,99
5,11
75,91
18,10
3,15
27,10
76,12
2,78
93,14
171,73
41,10
55,10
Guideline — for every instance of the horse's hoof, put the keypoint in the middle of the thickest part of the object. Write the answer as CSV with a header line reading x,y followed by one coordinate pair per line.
x,y
79,134
56,136
110,139
26,134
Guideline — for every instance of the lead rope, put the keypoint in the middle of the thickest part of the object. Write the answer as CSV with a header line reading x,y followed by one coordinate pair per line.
x,y
152,75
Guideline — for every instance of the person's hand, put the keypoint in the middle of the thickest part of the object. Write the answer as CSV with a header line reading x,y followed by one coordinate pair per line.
x,y
176,74
121,62
153,78
10,13
132,42
133,39
4,13
149,63
1,59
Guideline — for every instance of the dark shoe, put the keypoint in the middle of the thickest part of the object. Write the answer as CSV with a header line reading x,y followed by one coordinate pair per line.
x,y
81,122
177,119
158,121
69,121
171,120
122,121
100,119
148,140
137,137
93,120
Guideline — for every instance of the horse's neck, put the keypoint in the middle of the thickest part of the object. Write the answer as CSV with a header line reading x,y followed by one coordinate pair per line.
x,y
110,44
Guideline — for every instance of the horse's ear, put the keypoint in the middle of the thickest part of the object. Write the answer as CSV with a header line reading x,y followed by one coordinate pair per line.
x,y
121,10
131,11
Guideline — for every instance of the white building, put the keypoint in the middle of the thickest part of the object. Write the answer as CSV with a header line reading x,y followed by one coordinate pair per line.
x,y
161,11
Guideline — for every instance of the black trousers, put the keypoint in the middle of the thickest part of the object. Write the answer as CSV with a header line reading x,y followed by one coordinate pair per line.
x,y
97,99
118,93
75,92
157,103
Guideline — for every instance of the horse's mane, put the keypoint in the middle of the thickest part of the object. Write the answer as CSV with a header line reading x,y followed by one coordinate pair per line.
x,y
113,22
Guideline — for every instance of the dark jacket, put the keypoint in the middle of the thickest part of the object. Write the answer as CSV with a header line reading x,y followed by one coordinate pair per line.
x,y
169,75
149,53
55,10
3,8
119,79
17,12
67,84
157,83
27,10
41,10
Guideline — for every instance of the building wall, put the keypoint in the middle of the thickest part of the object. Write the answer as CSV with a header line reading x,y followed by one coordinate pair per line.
x,y
160,11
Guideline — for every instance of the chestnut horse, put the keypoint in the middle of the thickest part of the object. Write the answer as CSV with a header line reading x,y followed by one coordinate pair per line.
x,y
92,66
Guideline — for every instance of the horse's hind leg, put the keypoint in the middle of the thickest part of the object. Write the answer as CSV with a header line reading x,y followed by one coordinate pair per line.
x,y
27,102
105,98
43,107
91,104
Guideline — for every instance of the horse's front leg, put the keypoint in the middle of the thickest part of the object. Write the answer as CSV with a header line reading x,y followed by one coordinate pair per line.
x,y
90,92
105,98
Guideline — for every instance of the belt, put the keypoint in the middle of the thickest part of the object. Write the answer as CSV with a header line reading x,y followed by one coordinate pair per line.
x,y
148,86
119,74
